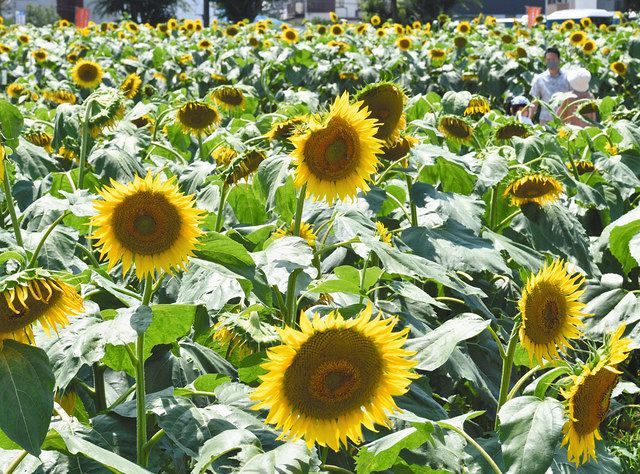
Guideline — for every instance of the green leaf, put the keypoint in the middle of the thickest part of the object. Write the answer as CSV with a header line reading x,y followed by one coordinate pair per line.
x,y
11,120
112,161
272,175
624,242
294,458
434,349
228,441
530,432
248,208
451,177
26,394
32,161
249,369
219,248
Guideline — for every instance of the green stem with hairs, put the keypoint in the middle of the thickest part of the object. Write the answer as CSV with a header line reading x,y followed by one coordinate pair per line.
x,y
414,210
220,213
141,413
507,366
473,443
291,284
84,144
492,207
6,188
16,462
98,383
36,252
363,275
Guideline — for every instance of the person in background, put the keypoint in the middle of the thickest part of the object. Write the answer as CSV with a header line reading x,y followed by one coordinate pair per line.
x,y
507,105
548,83
578,79
520,108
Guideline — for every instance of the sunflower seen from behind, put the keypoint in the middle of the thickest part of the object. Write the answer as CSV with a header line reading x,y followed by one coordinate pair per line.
x,y
538,188
229,97
385,102
551,312
334,376
588,397
337,154
148,224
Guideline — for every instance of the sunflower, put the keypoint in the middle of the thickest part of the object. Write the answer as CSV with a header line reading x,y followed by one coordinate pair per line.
x,y
577,38
286,128
619,68
611,149
41,139
4,48
437,55
381,32
204,43
375,20
40,55
589,397
582,167
455,128
67,153
385,101
520,52
460,42
534,187
60,97
24,38
185,59
463,27
322,30
568,25
507,38
383,233
477,105
143,121
198,118
550,311
403,43
351,76
229,97
131,85
341,45
361,28
512,128
39,298
337,154
242,168
336,30
586,22
148,223
15,90
290,36
331,378
398,149
306,232
132,27
224,155
87,74
589,46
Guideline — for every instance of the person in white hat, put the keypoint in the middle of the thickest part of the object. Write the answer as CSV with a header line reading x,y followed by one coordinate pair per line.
x,y
520,108
579,79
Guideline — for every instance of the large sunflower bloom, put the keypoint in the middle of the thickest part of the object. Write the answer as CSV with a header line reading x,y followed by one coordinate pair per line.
x,y
147,222
198,118
338,155
87,74
536,187
589,397
550,311
334,376
45,300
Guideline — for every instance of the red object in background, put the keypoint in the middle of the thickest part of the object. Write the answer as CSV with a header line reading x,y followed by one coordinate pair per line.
x,y
82,17
532,14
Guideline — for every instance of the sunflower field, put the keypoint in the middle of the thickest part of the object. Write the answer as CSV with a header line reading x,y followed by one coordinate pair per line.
x,y
262,248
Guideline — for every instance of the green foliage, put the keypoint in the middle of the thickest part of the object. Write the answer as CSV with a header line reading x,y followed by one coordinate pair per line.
x,y
39,15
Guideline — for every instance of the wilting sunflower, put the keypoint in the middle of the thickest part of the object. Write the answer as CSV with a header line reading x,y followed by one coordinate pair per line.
x,y
512,128
105,109
224,155
290,36
477,105
243,167
41,139
337,155
550,311
15,90
327,381
198,118
383,233
131,85
229,97
589,397
404,43
456,128
534,187
286,128
40,55
582,167
87,74
385,101
577,38
398,149
589,46
619,68
60,97
148,223
36,298
306,232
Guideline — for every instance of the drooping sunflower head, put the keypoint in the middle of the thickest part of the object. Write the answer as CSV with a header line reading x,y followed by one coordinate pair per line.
x,y
404,43
477,105
286,128
577,38
399,148
619,68
131,85
106,108
224,155
41,139
385,101
147,223
60,97
87,74
244,333
306,232
455,128
244,166
229,97
538,188
588,398
383,233
35,297
551,312
582,167
334,376
40,55
290,36
197,118
512,128
337,155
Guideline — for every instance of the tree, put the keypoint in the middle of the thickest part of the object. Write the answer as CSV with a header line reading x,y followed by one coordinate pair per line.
x,y
142,11
236,10
38,15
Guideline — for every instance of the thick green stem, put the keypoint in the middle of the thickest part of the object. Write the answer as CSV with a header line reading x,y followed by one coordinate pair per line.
x,y
141,413
98,383
16,462
363,275
473,442
523,379
149,445
6,188
414,210
292,316
36,252
299,208
220,214
507,366
492,208
84,145
332,468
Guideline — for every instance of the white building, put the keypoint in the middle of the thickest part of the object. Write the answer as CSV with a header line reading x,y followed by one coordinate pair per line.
x,y
310,9
556,5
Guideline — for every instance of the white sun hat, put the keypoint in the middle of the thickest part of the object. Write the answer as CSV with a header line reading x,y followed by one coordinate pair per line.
x,y
579,78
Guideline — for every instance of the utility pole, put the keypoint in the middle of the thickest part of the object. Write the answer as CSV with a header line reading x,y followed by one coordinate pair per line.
x,y
205,13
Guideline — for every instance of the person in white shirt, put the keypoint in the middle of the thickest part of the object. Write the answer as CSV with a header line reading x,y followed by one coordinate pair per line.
x,y
579,79
548,83
520,108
